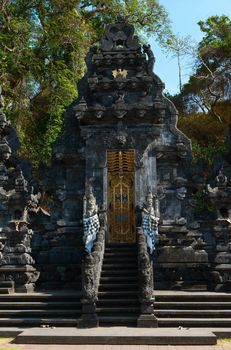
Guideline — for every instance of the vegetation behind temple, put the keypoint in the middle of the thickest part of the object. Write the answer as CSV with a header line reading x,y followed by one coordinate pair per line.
x,y
42,49
43,44
204,102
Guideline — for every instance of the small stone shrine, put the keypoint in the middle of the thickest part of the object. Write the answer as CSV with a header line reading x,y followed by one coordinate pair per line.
x,y
121,176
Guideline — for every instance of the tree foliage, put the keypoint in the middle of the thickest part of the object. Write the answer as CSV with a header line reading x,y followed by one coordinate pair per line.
x,y
204,103
42,48
211,81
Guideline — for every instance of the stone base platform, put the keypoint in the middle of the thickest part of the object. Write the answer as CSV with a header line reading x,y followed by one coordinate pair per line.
x,y
117,336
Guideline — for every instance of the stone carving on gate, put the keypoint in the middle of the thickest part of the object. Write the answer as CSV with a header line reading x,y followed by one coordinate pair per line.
x,y
18,200
119,36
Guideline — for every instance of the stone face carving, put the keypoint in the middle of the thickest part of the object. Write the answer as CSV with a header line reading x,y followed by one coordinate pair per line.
x,y
181,193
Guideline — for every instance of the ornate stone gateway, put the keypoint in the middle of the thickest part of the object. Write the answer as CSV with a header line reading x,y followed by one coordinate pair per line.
x,y
121,141
121,217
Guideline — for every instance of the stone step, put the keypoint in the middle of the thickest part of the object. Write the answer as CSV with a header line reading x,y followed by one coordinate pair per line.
x,y
119,266
122,269
118,301
121,246
6,287
116,294
116,336
116,279
40,305
118,309
126,254
194,322
210,305
40,313
4,290
118,286
118,259
193,297
19,297
121,320
9,284
38,321
193,313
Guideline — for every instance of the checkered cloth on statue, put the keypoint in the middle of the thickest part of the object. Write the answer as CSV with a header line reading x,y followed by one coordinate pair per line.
x,y
150,227
90,230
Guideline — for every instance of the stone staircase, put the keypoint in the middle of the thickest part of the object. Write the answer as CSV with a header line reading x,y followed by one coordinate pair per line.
x,y
193,309
118,303
37,309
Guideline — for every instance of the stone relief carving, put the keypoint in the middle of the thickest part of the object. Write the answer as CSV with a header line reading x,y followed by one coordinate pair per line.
x,y
119,36
17,201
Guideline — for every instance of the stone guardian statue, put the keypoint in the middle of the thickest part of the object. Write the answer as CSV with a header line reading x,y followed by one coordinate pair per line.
x,y
150,213
91,223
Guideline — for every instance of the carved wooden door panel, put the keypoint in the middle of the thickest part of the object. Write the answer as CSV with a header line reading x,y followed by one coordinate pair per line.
x,y
121,218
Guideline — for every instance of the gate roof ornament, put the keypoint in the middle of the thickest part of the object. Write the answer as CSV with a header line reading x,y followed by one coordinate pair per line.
x,y
120,82
119,36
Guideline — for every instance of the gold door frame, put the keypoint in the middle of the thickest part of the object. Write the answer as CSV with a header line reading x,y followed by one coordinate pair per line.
x,y
121,213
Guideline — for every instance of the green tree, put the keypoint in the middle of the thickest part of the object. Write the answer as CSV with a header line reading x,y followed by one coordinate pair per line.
x,y
210,83
204,102
42,48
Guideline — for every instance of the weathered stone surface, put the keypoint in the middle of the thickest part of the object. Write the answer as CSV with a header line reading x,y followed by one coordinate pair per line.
x,y
18,200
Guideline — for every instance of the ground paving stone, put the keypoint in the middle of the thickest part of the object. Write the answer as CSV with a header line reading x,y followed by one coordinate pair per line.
x,y
122,347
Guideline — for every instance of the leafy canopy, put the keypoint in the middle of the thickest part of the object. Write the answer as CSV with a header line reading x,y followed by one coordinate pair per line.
x,y
205,101
42,48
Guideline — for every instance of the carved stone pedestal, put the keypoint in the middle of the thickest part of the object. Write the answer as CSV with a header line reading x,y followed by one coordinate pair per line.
x,y
147,321
89,317
147,317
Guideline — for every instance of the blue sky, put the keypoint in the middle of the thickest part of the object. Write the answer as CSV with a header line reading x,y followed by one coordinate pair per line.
x,y
184,15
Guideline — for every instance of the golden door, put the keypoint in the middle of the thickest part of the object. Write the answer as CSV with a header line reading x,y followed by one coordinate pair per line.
x,y
121,218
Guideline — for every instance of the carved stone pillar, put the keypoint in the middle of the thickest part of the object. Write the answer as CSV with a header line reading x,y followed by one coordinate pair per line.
x,y
220,198
145,266
91,271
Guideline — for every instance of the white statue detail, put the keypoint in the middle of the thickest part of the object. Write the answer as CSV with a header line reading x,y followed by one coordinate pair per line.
x,y
150,220
90,221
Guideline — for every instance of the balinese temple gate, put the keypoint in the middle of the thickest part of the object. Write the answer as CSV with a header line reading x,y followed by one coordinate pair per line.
x,y
122,193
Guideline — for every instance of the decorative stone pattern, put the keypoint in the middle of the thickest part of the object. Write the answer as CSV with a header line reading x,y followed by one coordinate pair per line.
x,y
219,197
17,202
91,271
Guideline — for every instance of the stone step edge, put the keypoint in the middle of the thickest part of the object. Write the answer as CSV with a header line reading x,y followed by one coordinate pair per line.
x,y
116,335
